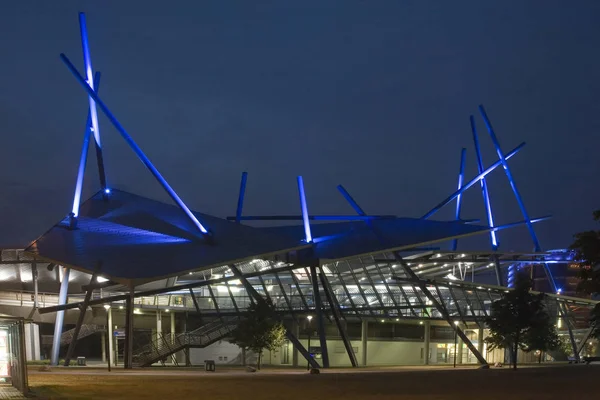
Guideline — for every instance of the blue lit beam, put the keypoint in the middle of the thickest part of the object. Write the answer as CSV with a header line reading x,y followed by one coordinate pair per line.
x,y
513,186
305,219
134,146
87,62
461,177
351,200
83,159
484,188
471,182
240,204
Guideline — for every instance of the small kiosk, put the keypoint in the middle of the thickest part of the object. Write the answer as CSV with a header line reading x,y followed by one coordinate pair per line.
x,y
13,364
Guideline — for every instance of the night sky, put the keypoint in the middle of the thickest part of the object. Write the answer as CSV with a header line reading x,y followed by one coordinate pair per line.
x,y
375,95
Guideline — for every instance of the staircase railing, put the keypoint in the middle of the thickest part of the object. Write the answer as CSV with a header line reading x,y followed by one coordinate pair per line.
x,y
86,330
167,344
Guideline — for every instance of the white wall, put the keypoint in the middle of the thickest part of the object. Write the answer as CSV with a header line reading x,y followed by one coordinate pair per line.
x,y
379,352
32,342
221,352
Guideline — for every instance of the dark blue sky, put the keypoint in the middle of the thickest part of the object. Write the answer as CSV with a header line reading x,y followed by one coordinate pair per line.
x,y
374,95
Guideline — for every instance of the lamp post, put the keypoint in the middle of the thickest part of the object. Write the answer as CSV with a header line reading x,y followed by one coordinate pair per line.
x,y
108,335
309,318
455,341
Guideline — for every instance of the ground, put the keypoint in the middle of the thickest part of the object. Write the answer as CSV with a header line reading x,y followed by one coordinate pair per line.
x,y
557,382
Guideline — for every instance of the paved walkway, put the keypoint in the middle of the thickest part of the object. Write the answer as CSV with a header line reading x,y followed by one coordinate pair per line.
x,y
9,392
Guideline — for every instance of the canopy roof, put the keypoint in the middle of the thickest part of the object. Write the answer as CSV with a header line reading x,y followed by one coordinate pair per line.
x,y
135,239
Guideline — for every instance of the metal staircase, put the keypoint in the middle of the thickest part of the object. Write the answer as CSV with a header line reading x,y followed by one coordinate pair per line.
x,y
86,330
167,344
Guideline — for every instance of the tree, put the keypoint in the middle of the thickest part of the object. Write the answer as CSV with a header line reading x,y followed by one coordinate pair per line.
x,y
259,331
519,320
541,335
587,250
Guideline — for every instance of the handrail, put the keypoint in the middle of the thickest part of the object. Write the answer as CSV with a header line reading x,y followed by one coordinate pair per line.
x,y
166,344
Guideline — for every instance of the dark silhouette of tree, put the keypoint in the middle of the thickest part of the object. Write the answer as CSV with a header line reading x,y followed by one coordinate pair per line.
x,y
259,330
519,320
587,249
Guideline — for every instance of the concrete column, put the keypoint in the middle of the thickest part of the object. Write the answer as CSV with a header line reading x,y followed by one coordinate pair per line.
x,y
296,331
364,340
172,327
158,325
459,347
109,332
103,347
426,342
32,341
34,276
60,316
480,342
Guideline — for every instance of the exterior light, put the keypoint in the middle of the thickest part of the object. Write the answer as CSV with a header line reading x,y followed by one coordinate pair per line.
x,y
107,191
107,306
101,279
189,273
558,291
120,307
383,320
420,322
456,323
136,311
309,318
397,319
167,310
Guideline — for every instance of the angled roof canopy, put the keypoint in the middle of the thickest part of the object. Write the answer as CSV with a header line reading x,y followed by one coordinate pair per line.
x,y
140,239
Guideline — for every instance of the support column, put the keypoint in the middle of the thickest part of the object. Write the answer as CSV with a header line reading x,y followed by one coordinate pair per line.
x,y
60,315
159,333
480,341
34,276
320,319
129,331
296,330
459,349
103,347
426,342
363,341
109,333
172,327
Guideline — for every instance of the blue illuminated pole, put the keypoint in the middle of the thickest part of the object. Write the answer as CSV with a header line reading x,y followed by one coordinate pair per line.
x,y
240,204
484,188
83,159
308,235
134,146
488,204
351,200
89,74
461,177
471,183
513,186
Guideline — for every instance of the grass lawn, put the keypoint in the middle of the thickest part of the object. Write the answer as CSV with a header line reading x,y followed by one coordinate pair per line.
x,y
564,382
